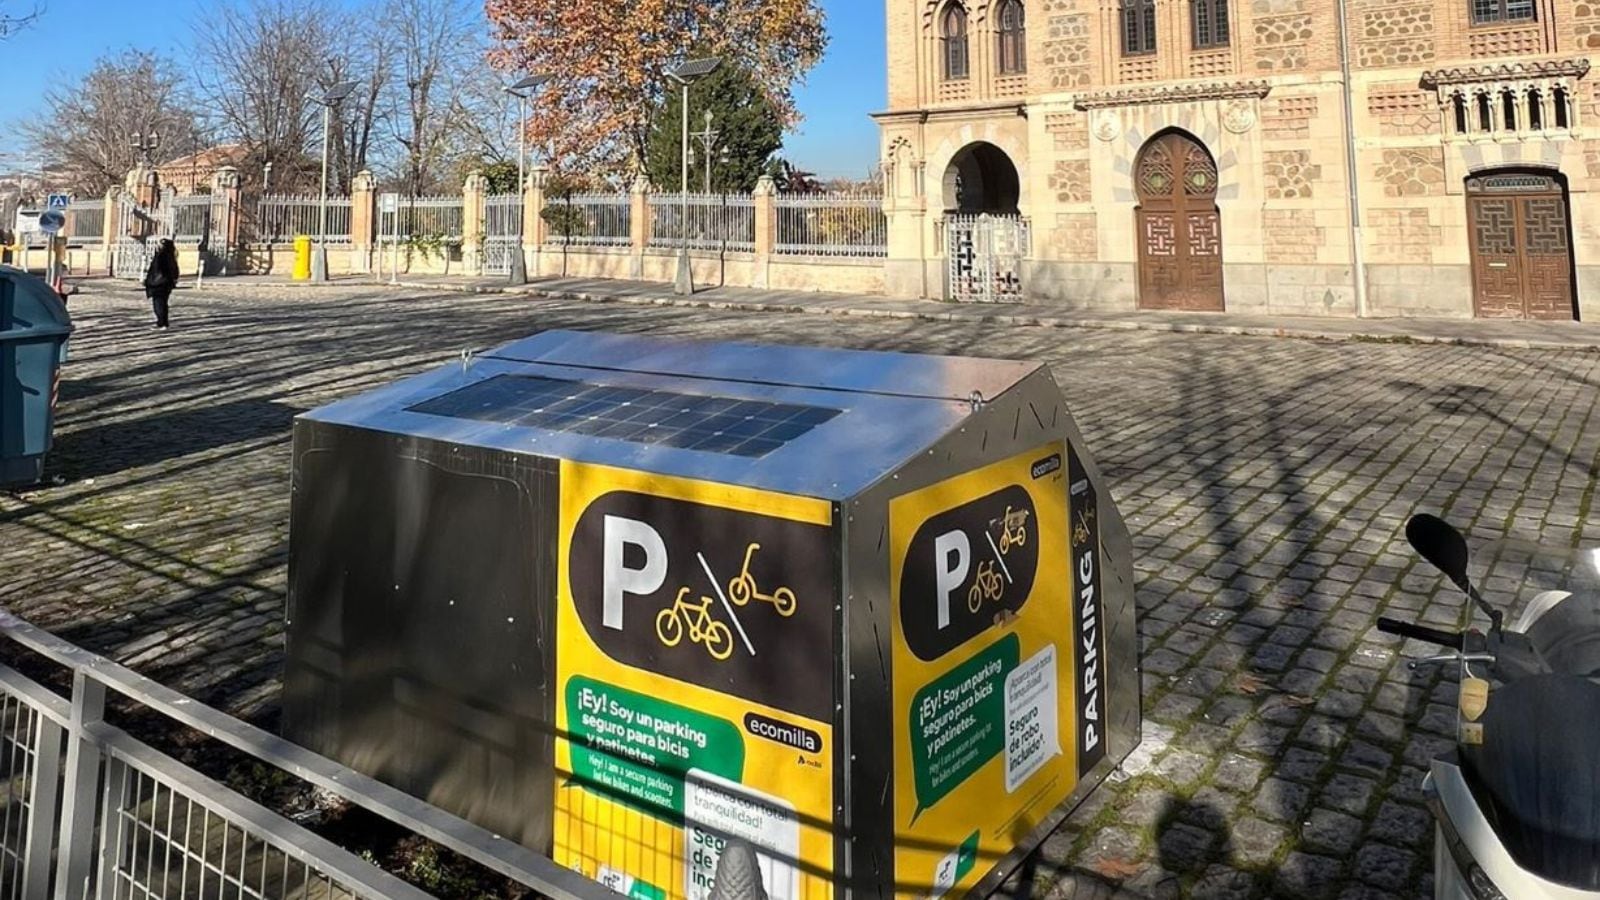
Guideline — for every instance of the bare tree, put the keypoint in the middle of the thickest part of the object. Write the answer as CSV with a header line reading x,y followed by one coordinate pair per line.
x,y
261,63
88,127
365,55
435,55
14,18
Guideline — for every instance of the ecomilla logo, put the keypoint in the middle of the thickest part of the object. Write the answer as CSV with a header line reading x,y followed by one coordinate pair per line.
x,y
788,734
1046,466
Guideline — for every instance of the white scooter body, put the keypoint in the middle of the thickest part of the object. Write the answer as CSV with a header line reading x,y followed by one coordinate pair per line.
x,y
1474,841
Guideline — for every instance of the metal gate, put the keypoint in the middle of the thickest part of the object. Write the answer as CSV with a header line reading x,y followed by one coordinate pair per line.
x,y
984,255
502,232
138,229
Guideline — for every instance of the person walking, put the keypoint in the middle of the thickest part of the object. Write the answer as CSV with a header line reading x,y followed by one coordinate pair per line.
x,y
160,279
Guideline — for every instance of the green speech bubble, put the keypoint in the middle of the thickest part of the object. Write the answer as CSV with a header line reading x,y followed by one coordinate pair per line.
x,y
958,721
637,748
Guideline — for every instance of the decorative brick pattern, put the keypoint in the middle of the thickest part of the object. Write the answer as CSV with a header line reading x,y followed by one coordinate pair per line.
x,y
1591,160
1506,42
1285,118
955,90
1066,51
1211,65
1289,174
1292,235
1011,86
1070,181
1412,172
1402,235
1137,68
1075,237
1404,111
1396,35
1069,130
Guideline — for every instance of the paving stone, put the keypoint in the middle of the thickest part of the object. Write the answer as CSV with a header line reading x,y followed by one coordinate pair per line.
x,y
1184,848
1402,825
1238,773
1349,793
1306,875
1385,866
1331,832
1256,841
1223,883
1280,800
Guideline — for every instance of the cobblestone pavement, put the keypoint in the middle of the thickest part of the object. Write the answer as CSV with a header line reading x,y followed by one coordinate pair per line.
x,y
1267,482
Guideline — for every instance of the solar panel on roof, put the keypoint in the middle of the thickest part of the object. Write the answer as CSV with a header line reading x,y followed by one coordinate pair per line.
x,y
728,425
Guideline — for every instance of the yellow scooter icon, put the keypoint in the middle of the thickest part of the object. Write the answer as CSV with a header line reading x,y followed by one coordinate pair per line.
x,y
742,590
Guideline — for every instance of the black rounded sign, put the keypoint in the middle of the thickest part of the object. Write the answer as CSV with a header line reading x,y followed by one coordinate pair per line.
x,y
966,569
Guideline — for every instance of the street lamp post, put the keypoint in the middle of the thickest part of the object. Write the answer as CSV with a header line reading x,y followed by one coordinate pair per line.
x,y
335,94
708,142
685,75
522,90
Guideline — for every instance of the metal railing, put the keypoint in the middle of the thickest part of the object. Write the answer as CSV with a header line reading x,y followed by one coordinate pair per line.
x,y
103,815
442,217
502,215
713,222
592,220
831,225
283,218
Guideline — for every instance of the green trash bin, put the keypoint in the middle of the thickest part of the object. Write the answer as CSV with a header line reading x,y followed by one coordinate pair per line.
x,y
34,327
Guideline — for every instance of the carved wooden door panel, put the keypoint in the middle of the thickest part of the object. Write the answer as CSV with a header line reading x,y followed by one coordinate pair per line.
x,y
1179,228
1521,251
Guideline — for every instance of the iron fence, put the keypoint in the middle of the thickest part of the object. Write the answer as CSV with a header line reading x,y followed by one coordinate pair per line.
x,y
707,222
196,218
102,815
283,218
420,217
831,225
592,220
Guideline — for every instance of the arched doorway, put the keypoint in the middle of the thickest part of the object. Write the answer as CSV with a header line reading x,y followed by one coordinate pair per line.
x,y
1179,227
986,239
1521,233
981,179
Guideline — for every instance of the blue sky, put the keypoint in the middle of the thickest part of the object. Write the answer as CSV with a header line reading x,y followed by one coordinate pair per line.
x,y
836,138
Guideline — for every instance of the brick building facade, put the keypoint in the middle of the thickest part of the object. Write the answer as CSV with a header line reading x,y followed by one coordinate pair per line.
x,y
1196,154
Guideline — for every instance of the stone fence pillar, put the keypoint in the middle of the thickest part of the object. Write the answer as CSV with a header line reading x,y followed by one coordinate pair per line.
x,y
765,200
363,213
472,207
227,188
639,222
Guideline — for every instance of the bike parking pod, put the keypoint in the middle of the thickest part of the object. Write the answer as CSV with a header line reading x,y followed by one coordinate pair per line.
x,y
34,328
632,602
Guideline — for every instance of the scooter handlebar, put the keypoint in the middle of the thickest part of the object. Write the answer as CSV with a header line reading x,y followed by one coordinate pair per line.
x,y
1452,639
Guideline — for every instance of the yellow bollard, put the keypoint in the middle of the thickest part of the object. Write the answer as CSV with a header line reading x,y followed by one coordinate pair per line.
x,y
302,258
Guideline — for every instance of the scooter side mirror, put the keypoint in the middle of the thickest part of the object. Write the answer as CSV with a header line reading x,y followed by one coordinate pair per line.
x,y
1442,545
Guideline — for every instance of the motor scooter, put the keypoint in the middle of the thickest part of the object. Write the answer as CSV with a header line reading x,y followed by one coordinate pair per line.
x,y
1516,801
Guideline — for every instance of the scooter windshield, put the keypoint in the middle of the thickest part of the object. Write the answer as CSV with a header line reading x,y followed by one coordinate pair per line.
x,y
1551,594
1536,778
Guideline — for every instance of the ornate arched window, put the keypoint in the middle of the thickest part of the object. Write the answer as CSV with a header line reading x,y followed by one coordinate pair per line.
x,y
1013,38
1209,19
953,31
1563,107
1138,27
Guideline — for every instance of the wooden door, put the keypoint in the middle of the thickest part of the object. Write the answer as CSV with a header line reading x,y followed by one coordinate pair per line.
x,y
1179,228
1521,247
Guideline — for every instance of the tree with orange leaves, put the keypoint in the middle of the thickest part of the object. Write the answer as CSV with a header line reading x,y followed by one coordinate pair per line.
x,y
609,61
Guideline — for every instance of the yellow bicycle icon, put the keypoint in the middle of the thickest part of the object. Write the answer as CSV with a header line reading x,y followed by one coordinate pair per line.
x,y
988,586
702,628
1080,532
742,589
1013,529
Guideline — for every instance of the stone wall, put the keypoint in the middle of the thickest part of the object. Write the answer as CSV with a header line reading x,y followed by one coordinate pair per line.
x,y
1586,25
1283,29
1075,237
1070,181
1411,172
1293,235
1066,49
1402,110
1289,174
1288,117
1401,236
1393,34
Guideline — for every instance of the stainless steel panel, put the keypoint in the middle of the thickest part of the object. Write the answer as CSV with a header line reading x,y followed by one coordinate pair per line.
x,y
875,433
854,371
